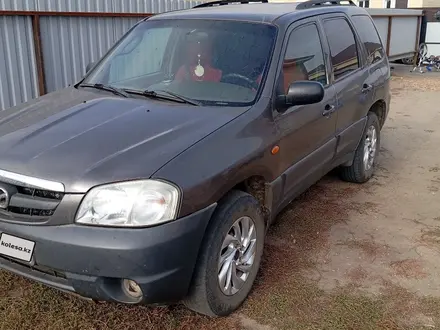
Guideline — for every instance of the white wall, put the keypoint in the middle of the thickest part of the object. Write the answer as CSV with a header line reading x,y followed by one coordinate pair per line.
x,y
433,35
378,3
423,3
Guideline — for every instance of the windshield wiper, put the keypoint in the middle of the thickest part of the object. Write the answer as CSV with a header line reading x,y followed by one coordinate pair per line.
x,y
158,94
109,88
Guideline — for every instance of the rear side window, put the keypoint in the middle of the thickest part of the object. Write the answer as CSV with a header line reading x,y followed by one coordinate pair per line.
x,y
343,47
369,37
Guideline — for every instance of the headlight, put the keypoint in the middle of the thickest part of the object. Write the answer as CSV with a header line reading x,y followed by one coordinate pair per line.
x,y
129,204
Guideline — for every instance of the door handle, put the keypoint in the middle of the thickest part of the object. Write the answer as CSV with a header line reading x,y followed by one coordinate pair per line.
x,y
329,109
366,88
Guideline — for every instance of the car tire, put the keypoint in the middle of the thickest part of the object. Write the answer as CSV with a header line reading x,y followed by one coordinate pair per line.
x,y
362,170
408,61
205,294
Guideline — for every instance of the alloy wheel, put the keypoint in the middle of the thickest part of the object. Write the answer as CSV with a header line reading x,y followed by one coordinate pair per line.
x,y
370,146
237,255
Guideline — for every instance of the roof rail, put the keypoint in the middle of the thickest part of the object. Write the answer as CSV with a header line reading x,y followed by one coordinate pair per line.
x,y
315,3
228,2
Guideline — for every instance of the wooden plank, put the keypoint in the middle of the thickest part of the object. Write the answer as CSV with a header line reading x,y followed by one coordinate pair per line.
x,y
419,25
38,54
98,14
416,46
70,14
390,25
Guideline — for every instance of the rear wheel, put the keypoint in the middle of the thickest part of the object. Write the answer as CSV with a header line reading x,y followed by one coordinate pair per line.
x,y
229,258
365,157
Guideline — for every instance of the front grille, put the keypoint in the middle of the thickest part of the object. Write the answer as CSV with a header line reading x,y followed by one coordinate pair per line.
x,y
40,193
31,212
28,199
34,202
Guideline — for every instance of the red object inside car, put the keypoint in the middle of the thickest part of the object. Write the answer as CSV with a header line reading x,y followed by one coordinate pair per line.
x,y
198,53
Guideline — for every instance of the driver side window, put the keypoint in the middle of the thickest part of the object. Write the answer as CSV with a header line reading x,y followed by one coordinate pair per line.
x,y
135,63
304,58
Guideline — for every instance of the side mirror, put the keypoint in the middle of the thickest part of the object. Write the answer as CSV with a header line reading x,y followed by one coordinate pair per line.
x,y
301,93
90,66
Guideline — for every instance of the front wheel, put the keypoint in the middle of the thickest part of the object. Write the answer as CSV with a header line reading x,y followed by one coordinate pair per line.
x,y
229,258
365,157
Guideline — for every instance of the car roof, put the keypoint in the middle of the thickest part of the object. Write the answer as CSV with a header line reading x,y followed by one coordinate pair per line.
x,y
255,12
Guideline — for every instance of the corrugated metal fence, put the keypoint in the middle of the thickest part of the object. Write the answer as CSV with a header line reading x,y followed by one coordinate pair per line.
x,y
68,40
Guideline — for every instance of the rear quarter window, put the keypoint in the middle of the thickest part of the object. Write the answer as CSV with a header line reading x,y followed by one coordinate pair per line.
x,y
369,37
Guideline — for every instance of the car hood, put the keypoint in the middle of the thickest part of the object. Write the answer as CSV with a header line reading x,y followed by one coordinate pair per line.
x,y
83,139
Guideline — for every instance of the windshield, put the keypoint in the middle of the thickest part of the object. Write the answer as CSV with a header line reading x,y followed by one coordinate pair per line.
x,y
212,62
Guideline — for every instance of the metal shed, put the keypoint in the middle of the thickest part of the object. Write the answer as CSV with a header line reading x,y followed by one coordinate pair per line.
x,y
399,30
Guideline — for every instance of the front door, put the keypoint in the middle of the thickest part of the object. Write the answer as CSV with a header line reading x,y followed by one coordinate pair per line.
x,y
307,132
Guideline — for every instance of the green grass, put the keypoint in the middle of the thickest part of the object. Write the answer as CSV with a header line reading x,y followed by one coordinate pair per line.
x,y
293,303
26,305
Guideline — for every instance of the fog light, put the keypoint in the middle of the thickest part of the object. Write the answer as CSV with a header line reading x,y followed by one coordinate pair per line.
x,y
132,289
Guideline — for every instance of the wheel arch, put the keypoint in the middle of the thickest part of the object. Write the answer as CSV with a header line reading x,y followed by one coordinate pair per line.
x,y
258,187
379,108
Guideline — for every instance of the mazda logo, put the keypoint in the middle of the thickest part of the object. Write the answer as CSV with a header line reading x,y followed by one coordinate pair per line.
x,y
4,199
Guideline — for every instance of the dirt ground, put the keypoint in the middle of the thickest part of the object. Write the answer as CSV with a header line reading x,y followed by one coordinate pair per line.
x,y
343,256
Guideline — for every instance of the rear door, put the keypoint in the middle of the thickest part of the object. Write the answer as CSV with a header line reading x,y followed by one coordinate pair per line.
x,y
349,76
376,60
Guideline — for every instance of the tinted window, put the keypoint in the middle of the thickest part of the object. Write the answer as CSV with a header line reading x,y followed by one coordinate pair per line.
x,y
343,47
304,58
369,36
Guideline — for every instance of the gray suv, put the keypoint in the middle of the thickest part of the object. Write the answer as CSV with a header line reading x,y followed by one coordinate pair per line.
x,y
155,178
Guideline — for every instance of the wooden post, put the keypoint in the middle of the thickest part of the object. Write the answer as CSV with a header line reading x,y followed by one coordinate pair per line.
x,y
419,25
390,25
38,53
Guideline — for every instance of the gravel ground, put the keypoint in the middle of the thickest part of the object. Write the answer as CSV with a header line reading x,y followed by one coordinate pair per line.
x,y
342,256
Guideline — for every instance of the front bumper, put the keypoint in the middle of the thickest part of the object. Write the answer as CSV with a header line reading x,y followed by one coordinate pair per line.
x,y
93,261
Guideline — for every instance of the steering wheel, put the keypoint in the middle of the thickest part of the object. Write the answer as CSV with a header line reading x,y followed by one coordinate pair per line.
x,y
244,81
